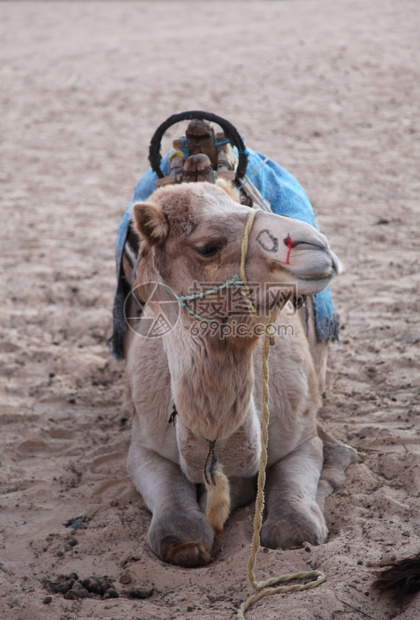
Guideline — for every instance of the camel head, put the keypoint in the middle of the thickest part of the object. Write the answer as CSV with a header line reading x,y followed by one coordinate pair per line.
x,y
192,234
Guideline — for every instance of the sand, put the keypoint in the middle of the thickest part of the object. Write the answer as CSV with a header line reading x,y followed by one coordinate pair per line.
x,y
328,89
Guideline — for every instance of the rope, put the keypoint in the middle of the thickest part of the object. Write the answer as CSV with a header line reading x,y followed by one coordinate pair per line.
x,y
184,300
265,587
317,578
211,458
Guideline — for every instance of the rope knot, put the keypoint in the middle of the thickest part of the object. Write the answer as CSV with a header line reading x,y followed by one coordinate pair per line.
x,y
211,469
210,465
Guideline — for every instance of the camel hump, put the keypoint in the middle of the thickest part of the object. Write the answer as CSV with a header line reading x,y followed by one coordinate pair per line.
x,y
198,168
200,138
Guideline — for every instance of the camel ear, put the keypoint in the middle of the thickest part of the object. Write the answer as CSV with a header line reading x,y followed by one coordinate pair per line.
x,y
150,222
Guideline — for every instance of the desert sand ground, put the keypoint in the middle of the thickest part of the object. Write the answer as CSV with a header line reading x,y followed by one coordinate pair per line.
x,y
328,89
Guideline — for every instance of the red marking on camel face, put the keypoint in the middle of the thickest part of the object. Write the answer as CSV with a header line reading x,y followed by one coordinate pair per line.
x,y
288,241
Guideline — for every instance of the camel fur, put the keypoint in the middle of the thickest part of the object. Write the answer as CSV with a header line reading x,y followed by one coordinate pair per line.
x,y
192,233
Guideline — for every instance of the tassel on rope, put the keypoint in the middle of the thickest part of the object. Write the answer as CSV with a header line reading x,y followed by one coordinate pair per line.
x,y
218,491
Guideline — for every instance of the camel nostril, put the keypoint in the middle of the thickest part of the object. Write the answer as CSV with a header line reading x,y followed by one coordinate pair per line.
x,y
305,243
290,245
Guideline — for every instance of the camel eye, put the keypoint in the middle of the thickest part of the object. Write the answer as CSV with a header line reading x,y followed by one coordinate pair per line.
x,y
208,251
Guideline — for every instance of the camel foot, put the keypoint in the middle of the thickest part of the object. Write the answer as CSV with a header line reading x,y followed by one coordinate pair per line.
x,y
293,528
337,457
189,554
181,538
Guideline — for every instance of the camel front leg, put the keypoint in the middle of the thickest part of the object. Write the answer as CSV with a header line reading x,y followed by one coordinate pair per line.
x,y
179,533
293,514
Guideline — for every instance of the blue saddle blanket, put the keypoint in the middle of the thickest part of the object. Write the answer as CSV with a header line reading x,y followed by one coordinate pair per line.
x,y
286,197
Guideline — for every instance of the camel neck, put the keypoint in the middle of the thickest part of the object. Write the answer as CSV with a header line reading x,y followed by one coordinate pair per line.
x,y
212,381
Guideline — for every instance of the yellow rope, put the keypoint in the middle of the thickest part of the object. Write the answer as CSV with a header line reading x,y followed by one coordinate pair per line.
x,y
176,154
242,274
315,577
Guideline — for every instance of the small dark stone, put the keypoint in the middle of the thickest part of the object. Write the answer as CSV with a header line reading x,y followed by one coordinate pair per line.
x,y
79,590
92,585
140,592
104,587
111,593
70,595
47,600
72,401
190,608
75,522
308,549
59,554
61,588
73,542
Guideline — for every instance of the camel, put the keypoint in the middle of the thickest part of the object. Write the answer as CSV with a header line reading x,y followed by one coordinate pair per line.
x,y
206,369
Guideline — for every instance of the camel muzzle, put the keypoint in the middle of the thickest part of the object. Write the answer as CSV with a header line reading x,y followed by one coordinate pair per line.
x,y
296,247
